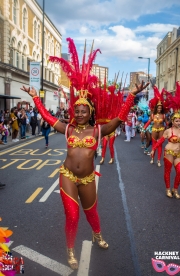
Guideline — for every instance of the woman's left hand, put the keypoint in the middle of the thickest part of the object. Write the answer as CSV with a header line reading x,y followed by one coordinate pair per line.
x,y
139,87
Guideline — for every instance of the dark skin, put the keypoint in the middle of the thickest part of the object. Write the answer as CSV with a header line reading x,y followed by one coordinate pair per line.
x,y
158,115
80,160
175,129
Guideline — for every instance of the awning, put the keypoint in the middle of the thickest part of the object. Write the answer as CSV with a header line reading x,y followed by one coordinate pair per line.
x,y
8,97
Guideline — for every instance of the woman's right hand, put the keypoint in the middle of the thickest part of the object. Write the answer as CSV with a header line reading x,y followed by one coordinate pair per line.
x,y
32,92
152,153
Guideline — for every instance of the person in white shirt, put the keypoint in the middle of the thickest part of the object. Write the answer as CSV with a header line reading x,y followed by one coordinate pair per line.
x,y
128,127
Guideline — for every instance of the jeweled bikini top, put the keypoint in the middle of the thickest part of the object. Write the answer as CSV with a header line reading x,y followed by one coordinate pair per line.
x,y
174,139
157,120
87,142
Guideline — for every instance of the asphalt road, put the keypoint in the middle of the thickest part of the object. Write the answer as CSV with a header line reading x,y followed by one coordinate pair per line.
x,y
137,218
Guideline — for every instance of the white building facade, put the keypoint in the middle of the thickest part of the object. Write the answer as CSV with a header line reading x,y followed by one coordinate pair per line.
x,y
21,43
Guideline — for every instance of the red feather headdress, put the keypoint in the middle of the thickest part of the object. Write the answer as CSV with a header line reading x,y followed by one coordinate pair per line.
x,y
175,102
84,85
162,99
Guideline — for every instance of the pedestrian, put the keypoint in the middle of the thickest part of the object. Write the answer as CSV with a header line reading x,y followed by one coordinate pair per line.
x,y
33,121
46,128
23,119
39,122
5,132
77,175
15,126
128,127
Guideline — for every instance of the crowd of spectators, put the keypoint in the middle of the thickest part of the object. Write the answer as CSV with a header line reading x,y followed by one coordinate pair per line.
x,y
20,123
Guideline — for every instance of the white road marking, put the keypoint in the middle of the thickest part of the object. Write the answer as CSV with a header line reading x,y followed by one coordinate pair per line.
x,y
57,191
51,189
34,256
9,243
85,259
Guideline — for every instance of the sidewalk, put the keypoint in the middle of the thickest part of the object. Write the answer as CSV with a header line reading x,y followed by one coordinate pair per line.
x,y
29,136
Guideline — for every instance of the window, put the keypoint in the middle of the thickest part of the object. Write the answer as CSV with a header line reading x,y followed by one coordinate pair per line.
x,y
23,67
34,56
44,40
35,29
15,6
24,19
38,34
48,44
17,59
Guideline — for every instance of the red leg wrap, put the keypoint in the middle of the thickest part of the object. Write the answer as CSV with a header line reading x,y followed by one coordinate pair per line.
x,y
177,178
71,209
93,218
159,152
153,145
167,172
104,146
111,146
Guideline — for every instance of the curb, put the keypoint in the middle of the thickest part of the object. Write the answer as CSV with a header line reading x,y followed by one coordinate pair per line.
x,y
11,144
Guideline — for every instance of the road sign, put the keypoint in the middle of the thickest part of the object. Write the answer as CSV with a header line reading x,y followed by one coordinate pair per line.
x,y
34,77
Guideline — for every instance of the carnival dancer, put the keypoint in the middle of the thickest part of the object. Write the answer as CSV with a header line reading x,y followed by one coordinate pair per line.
x,y
145,133
172,149
159,106
115,102
77,175
108,138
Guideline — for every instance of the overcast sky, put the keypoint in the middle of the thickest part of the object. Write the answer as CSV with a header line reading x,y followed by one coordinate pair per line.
x,y
122,29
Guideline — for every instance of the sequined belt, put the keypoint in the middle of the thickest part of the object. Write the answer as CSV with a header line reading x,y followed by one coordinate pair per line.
x,y
85,180
171,152
158,129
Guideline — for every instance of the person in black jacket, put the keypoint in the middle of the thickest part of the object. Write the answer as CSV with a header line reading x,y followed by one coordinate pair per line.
x,y
46,128
33,122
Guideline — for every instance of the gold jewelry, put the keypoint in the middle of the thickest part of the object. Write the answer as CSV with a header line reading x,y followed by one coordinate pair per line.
x,y
98,237
176,115
159,103
83,99
72,261
85,180
80,128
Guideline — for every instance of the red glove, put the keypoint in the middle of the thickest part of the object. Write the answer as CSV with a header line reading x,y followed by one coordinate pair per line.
x,y
44,113
126,107
159,142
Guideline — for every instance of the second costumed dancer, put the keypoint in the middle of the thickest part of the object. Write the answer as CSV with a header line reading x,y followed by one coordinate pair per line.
x,y
158,106
172,149
106,114
77,175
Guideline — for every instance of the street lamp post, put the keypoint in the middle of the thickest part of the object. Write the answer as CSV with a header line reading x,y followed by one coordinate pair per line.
x,y
148,66
148,69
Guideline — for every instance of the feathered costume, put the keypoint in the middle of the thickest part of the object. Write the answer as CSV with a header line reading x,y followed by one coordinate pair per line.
x,y
174,103
160,99
84,86
107,110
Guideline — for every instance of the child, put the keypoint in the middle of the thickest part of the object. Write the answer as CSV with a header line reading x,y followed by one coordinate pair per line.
x,y
4,131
